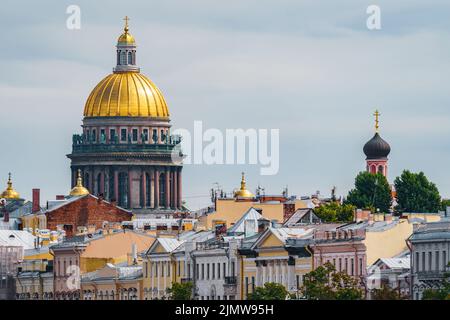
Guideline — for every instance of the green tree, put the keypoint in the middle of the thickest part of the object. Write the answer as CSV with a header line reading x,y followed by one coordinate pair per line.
x,y
439,294
325,283
371,191
181,291
270,291
386,293
415,193
444,204
334,212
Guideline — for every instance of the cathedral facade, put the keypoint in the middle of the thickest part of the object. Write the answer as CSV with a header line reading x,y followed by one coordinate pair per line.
x,y
125,152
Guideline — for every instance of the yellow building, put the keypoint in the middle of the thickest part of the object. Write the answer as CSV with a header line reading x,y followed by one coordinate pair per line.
x,y
268,257
229,210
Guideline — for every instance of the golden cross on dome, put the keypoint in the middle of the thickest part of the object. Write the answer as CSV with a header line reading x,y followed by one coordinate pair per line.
x,y
377,115
126,22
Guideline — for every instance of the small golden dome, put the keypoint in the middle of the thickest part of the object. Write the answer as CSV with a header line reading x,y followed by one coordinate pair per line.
x,y
79,190
125,39
243,192
126,94
10,193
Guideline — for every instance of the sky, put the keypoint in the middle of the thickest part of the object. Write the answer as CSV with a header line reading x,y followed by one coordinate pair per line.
x,y
311,69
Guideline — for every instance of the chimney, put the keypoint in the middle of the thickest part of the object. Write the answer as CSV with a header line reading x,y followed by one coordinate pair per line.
x,y
36,200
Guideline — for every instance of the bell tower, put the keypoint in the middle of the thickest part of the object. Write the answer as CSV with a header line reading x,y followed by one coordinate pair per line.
x,y
377,151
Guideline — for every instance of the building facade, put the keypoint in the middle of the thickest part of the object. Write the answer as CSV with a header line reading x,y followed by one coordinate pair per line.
x,y
430,247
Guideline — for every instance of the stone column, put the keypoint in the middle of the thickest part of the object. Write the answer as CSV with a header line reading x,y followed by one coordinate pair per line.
x,y
156,182
175,189
130,203
144,189
179,195
152,189
167,189
102,182
116,185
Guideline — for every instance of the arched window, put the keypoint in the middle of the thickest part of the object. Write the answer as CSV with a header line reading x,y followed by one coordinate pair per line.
x,y
380,169
123,58
130,58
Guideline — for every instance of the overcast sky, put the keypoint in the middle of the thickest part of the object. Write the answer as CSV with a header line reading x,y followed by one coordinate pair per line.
x,y
309,68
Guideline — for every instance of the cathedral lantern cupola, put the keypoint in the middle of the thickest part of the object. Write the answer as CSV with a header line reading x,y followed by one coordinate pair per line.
x,y
377,151
126,51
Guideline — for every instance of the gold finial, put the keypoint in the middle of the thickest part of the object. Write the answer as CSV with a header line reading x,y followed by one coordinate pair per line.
x,y
126,24
377,115
243,181
79,190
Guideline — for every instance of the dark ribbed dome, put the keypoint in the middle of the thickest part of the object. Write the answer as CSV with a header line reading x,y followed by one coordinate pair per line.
x,y
376,148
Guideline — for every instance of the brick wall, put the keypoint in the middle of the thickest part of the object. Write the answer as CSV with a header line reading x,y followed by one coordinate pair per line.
x,y
86,211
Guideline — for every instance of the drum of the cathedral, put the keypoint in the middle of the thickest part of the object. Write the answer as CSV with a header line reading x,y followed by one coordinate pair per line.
x,y
124,153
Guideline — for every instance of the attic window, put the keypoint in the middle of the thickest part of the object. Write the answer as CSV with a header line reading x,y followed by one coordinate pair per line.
x,y
11,237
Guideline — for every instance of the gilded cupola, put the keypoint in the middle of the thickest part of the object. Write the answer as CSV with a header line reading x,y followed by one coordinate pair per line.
x,y
10,193
243,192
79,189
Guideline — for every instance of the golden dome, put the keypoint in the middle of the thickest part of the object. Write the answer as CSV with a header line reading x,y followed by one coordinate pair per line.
x,y
243,192
126,94
79,190
10,193
126,39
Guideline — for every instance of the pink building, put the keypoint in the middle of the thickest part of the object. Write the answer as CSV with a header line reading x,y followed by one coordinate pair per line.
x,y
344,248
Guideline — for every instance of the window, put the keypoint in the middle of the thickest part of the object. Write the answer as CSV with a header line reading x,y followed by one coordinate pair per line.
x,y
224,269
430,261
346,266
123,58
112,134
123,134
444,259
218,271
130,58
360,266
145,134
156,269
298,281
253,284
213,271
246,286
135,134
423,261
232,268
188,270
416,267
179,268
198,271
340,264
203,271
438,265
94,135
207,271
168,269
155,135
352,267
